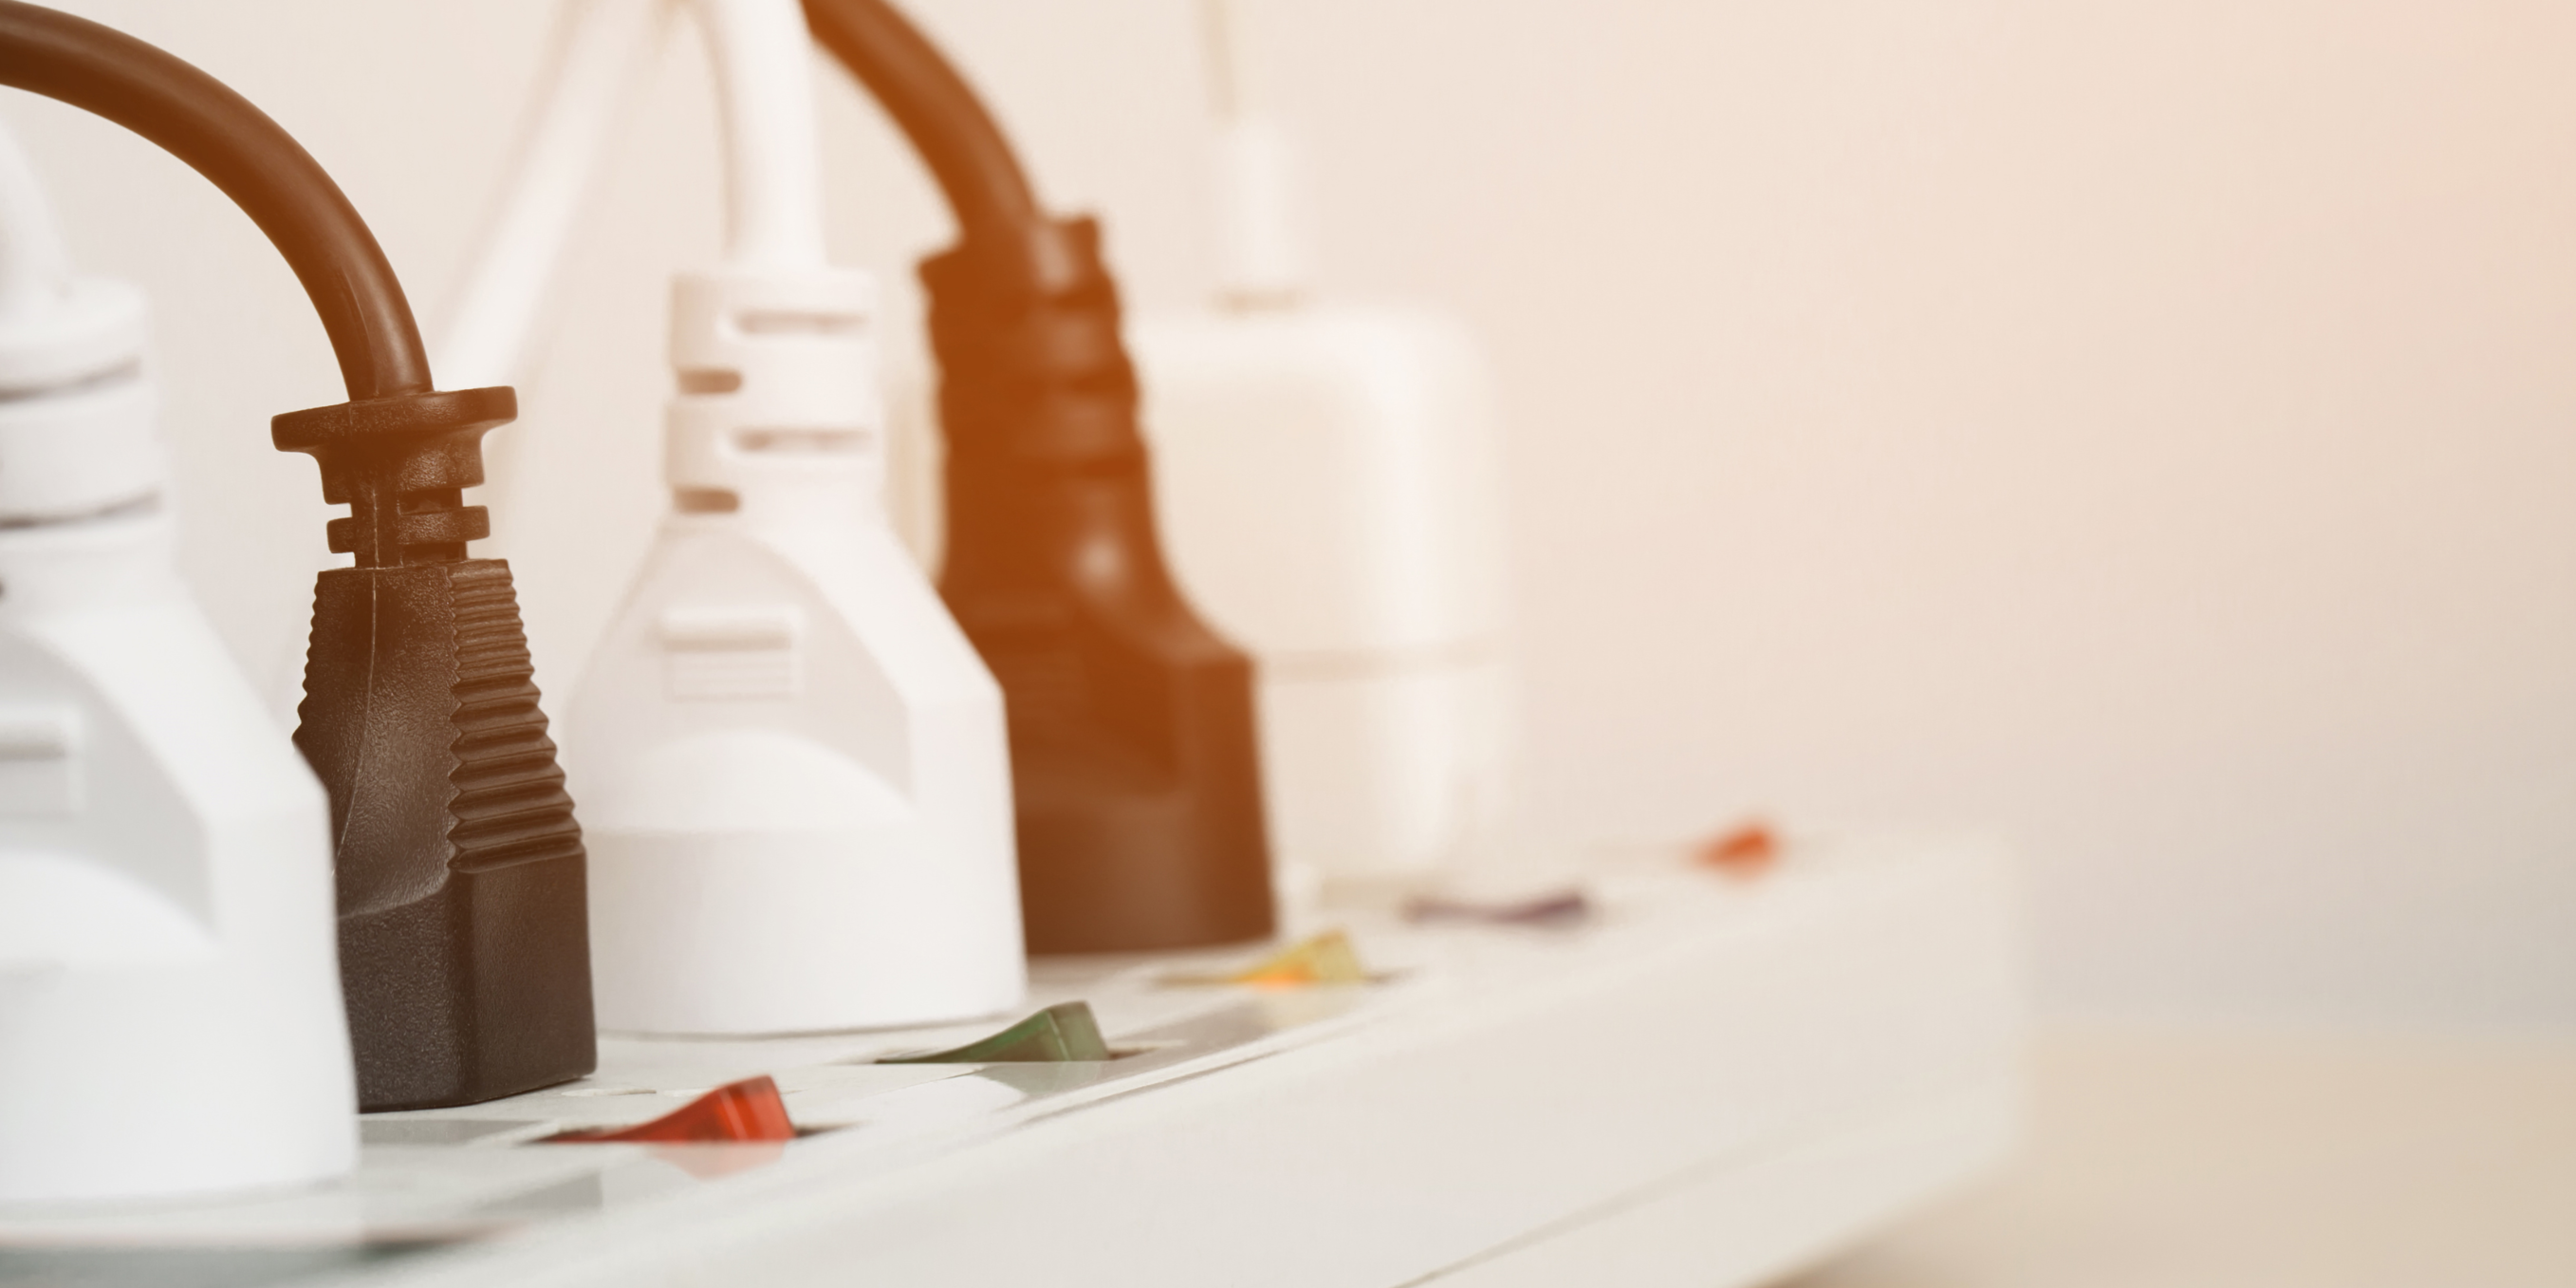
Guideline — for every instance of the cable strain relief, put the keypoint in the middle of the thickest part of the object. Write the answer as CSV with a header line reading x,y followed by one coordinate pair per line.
x,y
401,465
77,431
776,373
1026,333
94,327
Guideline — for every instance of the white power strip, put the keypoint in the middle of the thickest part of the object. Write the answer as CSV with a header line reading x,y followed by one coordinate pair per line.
x,y
1711,1081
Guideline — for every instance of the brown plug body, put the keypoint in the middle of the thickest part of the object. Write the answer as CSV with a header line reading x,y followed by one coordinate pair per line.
x,y
464,924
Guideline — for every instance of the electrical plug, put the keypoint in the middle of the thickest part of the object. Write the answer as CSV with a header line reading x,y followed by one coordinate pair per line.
x,y
1133,746
798,785
170,1012
1331,492
458,864
462,892
1133,749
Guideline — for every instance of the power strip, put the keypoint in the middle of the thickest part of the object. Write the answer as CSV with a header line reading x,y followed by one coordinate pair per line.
x,y
1711,1080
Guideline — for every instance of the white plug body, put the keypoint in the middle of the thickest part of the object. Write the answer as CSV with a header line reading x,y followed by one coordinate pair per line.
x,y
793,769
170,1013
1328,485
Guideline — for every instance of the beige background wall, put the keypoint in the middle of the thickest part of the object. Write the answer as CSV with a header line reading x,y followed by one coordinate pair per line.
x,y
2148,428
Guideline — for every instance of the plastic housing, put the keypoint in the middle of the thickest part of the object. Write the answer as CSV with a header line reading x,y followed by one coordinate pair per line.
x,y
1330,497
793,766
170,1009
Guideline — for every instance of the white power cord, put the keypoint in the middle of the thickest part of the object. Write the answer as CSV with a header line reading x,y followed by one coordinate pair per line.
x,y
765,88
34,270
773,183
590,85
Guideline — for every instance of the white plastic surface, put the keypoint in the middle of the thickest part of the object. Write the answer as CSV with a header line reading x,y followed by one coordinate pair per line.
x,y
170,1017
792,767
1711,1083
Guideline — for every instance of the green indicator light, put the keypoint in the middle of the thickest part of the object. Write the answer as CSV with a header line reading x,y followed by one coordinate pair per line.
x,y
1062,1032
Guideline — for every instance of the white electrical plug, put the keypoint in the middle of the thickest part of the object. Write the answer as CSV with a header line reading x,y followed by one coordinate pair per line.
x,y
1329,490
1328,496
794,773
170,1014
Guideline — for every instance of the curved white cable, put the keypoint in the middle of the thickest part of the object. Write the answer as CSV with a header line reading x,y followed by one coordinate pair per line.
x,y
764,62
763,65
34,267
590,84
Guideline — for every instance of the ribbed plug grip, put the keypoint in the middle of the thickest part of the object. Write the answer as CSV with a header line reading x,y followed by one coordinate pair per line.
x,y
464,928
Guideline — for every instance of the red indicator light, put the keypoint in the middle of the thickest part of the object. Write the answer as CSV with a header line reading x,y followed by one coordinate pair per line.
x,y
748,1110
1747,851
